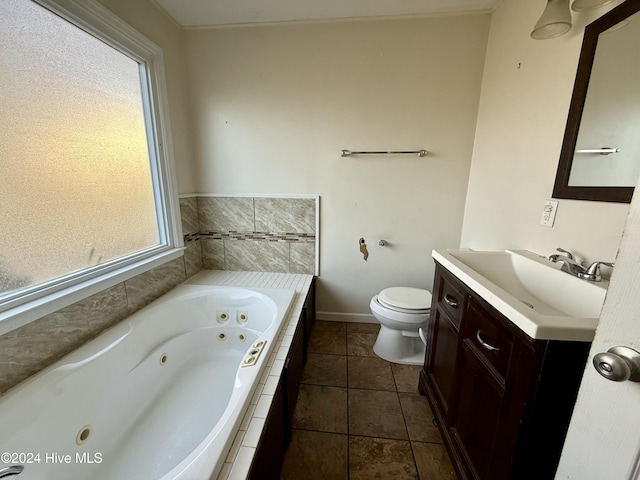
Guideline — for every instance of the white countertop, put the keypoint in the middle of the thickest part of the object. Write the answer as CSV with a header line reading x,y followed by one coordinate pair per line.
x,y
539,323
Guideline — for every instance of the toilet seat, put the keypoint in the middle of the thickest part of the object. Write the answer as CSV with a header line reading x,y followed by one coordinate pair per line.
x,y
405,299
401,319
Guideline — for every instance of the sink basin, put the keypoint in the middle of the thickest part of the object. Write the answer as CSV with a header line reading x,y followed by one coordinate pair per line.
x,y
531,291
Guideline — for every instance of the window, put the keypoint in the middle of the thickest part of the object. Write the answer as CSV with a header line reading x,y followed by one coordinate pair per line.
x,y
86,196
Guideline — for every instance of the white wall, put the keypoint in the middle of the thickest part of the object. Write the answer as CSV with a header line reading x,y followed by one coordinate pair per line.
x,y
274,105
159,28
525,99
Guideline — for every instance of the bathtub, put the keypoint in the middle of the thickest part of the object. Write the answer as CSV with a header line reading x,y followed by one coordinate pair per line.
x,y
158,396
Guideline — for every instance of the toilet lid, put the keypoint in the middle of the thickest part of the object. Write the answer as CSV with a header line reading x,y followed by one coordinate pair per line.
x,y
406,297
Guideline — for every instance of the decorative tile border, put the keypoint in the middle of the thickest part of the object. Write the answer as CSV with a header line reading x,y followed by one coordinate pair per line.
x,y
266,236
191,237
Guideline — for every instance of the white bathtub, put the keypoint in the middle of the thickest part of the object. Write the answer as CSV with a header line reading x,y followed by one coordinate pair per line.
x,y
158,396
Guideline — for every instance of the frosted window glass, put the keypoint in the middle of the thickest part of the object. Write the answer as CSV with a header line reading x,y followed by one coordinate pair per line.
x,y
76,187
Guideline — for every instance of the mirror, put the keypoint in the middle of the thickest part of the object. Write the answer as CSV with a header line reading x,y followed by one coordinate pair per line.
x,y
600,156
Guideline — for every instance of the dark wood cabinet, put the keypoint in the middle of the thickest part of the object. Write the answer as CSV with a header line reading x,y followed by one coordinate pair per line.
x,y
443,349
502,400
267,460
309,314
276,434
443,331
294,364
476,421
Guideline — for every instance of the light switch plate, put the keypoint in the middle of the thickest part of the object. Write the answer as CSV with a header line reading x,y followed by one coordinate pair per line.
x,y
549,213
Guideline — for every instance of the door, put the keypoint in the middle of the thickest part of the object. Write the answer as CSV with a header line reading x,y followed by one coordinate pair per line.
x,y
603,442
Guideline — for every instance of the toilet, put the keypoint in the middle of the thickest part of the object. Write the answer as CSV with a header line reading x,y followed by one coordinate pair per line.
x,y
402,312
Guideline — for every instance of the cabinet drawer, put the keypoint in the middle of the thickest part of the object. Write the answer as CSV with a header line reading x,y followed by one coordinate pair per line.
x,y
451,300
494,340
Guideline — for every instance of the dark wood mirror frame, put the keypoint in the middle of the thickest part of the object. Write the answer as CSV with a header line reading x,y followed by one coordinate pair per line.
x,y
561,188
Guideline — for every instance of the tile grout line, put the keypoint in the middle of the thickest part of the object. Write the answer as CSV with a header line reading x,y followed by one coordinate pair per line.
x,y
404,419
349,388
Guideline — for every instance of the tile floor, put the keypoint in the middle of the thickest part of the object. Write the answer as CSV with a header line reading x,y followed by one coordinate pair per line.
x,y
361,417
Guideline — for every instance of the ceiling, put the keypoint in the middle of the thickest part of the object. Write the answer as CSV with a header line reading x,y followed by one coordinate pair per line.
x,y
209,13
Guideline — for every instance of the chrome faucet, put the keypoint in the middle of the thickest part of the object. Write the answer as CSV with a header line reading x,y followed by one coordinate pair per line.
x,y
555,257
569,263
593,272
577,269
11,470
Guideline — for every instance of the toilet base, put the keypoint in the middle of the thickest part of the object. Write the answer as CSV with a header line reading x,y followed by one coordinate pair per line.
x,y
393,346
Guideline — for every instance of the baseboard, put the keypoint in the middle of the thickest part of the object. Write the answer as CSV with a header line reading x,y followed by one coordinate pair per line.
x,y
346,317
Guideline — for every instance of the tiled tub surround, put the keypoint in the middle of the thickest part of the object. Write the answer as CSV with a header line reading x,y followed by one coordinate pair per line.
x,y
28,349
191,233
33,347
176,370
272,234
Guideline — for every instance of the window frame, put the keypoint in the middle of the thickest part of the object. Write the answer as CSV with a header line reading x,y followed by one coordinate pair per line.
x,y
39,300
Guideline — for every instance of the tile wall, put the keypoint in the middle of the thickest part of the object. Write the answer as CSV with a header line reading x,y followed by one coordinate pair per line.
x,y
191,234
220,233
28,349
263,234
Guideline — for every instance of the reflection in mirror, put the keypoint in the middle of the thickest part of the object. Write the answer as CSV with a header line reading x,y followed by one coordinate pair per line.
x,y
611,114
601,149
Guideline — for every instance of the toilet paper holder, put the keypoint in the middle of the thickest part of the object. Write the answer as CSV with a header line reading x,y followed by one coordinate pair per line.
x,y
363,248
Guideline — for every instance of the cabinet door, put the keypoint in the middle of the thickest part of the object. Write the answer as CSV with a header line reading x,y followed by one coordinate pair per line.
x,y
442,358
475,421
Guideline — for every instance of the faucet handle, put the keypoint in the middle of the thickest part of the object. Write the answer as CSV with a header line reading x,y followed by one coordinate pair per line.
x,y
593,272
569,254
595,266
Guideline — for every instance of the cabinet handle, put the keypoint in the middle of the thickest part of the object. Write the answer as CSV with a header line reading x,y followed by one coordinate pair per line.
x,y
449,300
486,345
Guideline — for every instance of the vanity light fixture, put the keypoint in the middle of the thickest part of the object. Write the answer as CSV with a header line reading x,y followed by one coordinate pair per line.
x,y
556,18
585,5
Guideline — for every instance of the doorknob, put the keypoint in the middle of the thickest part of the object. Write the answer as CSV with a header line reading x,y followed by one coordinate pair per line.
x,y
618,364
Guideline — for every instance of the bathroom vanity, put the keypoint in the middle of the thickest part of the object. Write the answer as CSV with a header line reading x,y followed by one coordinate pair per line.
x,y
501,397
